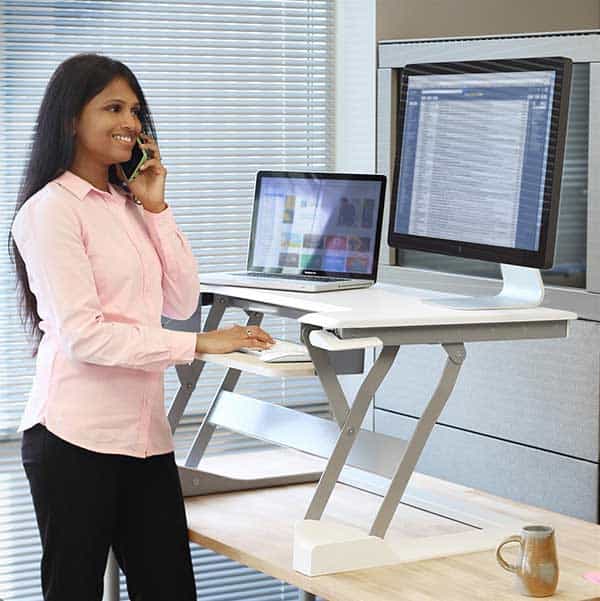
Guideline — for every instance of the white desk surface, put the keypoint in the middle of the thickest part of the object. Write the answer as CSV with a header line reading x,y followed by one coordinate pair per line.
x,y
382,305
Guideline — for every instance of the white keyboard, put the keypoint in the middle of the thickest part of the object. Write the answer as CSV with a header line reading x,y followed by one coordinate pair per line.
x,y
281,352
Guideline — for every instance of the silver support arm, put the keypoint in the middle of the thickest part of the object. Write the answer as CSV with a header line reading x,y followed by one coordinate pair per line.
x,y
228,384
188,374
349,430
412,452
111,579
328,377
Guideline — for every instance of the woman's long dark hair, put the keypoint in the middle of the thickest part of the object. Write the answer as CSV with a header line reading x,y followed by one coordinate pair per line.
x,y
74,83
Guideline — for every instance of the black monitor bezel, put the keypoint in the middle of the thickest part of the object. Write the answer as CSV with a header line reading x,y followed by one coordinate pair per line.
x,y
542,258
372,275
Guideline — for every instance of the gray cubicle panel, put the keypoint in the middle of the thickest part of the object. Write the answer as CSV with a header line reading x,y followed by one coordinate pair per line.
x,y
522,421
538,393
522,412
524,474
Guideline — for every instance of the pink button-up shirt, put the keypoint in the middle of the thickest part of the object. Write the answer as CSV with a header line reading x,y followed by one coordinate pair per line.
x,y
103,270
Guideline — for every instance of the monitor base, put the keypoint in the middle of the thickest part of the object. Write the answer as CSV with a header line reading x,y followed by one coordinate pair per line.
x,y
522,288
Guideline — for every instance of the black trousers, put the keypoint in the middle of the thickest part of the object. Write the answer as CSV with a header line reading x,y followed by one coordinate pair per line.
x,y
86,502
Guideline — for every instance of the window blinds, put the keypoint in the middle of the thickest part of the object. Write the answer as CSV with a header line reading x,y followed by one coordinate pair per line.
x,y
234,86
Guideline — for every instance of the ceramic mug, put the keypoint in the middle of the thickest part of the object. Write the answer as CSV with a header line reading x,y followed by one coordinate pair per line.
x,y
537,567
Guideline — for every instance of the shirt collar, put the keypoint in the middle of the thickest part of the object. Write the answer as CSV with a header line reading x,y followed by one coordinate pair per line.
x,y
80,187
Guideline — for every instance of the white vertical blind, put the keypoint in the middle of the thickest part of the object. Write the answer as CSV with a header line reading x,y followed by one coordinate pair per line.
x,y
234,86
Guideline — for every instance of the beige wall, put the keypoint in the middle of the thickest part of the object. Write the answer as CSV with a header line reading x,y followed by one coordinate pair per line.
x,y
401,19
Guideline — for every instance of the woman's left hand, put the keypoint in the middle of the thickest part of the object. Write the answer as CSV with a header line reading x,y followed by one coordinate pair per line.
x,y
149,186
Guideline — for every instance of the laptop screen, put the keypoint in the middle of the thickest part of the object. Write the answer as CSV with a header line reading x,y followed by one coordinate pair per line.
x,y
317,223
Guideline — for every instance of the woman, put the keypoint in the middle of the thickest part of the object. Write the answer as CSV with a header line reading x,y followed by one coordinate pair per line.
x,y
98,261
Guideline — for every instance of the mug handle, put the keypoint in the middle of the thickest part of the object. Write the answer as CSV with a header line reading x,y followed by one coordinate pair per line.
x,y
515,538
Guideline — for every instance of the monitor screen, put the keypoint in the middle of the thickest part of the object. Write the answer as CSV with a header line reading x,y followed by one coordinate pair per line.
x,y
321,223
478,168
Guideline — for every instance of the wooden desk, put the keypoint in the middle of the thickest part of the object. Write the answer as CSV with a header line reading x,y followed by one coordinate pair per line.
x,y
255,528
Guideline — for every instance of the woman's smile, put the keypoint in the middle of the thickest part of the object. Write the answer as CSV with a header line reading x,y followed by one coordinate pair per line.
x,y
124,139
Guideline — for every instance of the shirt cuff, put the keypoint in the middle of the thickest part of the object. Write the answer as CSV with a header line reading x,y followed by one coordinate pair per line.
x,y
182,346
163,221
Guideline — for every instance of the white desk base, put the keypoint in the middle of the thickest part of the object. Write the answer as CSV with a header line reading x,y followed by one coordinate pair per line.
x,y
325,547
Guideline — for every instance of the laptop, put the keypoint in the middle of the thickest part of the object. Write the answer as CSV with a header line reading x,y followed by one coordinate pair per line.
x,y
312,232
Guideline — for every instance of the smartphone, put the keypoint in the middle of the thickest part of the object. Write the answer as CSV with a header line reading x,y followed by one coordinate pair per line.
x,y
139,156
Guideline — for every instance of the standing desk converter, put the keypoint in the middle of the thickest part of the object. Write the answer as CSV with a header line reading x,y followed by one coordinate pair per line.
x,y
336,327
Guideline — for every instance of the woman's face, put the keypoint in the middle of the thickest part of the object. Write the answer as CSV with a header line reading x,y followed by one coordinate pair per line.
x,y
107,127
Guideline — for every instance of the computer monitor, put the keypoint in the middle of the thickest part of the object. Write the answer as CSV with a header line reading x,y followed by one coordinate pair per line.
x,y
478,167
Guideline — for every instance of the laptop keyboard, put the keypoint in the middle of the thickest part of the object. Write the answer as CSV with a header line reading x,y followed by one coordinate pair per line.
x,y
285,276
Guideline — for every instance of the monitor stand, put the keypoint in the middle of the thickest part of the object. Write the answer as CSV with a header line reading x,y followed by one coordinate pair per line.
x,y
522,288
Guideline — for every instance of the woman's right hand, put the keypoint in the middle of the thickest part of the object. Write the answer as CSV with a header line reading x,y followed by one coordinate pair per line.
x,y
232,339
